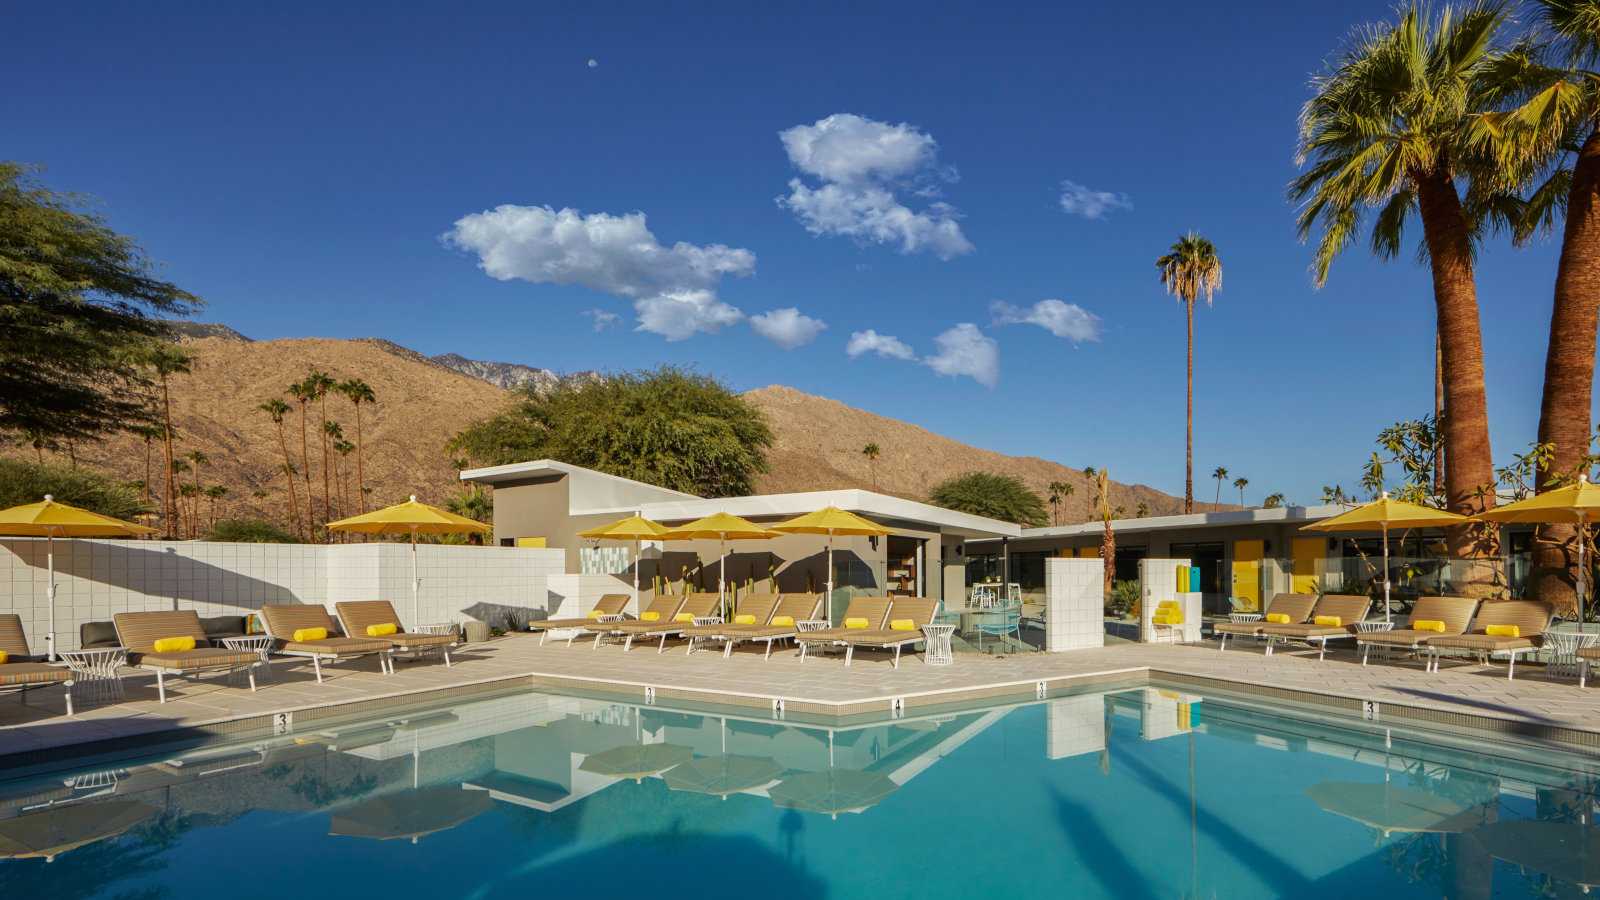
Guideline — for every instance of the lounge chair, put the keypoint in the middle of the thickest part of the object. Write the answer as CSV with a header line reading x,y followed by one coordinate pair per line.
x,y
1529,618
21,672
1455,613
661,609
791,614
1296,606
281,621
139,631
874,611
754,610
1348,609
1586,655
909,614
361,617
697,609
608,609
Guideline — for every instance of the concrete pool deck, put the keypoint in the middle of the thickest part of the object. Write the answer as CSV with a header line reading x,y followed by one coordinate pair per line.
x,y
1462,695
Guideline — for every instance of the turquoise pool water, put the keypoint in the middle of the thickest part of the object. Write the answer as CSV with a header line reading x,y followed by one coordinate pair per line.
x,y
1131,794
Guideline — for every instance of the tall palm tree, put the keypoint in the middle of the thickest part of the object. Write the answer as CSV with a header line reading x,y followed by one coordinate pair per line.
x,y
359,392
303,392
167,360
148,434
1189,269
1389,127
1141,510
213,494
344,448
1059,492
872,452
277,409
321,383
1241,483
1219,473
1273,501
1108,538
197,459
334,434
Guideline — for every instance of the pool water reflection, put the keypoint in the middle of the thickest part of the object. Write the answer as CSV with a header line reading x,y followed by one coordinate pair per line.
x,y
1141,793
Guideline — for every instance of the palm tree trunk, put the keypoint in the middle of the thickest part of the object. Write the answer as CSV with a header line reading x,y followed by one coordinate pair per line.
x,y
288,473
1438,410
327,495
148,450
194,510
305,472
1188,424
1569,371
170,495
1469,465
361,467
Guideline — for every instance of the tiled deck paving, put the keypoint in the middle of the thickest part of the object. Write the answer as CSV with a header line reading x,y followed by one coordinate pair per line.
x,y
1533,705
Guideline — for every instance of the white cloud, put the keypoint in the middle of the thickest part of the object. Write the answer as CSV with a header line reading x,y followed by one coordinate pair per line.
x,y
1064,320
602,318
965,350
870,341
1079,200
788,328
673,288
862,165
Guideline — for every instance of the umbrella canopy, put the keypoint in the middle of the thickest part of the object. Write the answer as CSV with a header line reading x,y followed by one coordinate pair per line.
x,y
832,792
720,527
411,518
720,776
1576,504
1389,808
50,520
1565,851
636,760
1383,514
412,815
831,521
53,832
634,528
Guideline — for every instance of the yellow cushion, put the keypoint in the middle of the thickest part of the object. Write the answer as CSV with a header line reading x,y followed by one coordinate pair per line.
x,y
744,619
683,617
650,615
383,630
596,613
174,644
3,657
1172,617
855,622
1503,630
902,625
783,621
1328,621
302,635
1427,625
1167,604
1278,618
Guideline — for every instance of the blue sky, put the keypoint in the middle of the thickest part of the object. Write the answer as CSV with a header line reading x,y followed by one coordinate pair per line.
x,y
305,168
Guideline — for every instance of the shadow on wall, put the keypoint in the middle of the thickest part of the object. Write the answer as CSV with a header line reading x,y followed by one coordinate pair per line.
x,y
499,615
804,574
161,574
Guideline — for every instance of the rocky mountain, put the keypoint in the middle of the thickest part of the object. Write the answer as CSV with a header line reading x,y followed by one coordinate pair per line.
x,y
511,376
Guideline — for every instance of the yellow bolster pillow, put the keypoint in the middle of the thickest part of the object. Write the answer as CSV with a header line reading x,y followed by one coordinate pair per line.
x,y
683,617
783,621
383,630
1503,630
596,613
744,619
902,625
1328,621
174,645
855,622
1428,625
1166,618
301,635
1278,618
3,657
650,615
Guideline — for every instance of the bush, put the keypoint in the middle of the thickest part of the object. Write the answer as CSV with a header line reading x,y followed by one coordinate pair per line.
x,y
22,482
1003,497
1124,594
250,531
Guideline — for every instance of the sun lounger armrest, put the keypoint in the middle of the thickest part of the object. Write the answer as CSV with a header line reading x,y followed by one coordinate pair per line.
x,y
811,625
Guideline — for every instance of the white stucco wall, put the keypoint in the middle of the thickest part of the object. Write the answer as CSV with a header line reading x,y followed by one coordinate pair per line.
x,y
1074,604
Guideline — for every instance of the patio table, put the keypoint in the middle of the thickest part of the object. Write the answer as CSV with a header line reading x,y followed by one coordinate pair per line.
x,y
1562,648
259,644
938,651
96,671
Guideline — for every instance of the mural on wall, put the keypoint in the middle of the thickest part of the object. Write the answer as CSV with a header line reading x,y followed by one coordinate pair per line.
x,y
604,560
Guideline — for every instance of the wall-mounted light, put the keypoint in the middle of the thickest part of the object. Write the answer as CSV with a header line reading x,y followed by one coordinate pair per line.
x,y
873,541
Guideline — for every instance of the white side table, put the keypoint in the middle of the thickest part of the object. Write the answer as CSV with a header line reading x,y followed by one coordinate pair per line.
x,y
938,652
437,628
96,671
1370,625
259,644
1244,617
1563,647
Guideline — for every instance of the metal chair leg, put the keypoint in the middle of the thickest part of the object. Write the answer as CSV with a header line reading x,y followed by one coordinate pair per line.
x,y
316,664
161,685
68,685
250,673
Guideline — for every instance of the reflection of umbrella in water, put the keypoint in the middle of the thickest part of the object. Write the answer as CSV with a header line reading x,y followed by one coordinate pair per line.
x,y
720,776
1390,809
832,792
411,815
1565,851
53,832
636,760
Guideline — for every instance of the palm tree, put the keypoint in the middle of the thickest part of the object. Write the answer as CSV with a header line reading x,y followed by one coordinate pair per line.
x,y
344,449
147,433
1189,269
196,459
320,384
1108,538
871,452
1141,510
277,409
1273,501
213,494
168,360
359,392
303,392
1059,492
1390,128
1241,483
332,434
1219,473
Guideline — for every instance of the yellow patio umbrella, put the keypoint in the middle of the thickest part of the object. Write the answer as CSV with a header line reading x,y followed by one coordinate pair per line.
x,y
831,521
720,527
1576,504
634,528
50,520
1385,513
411,518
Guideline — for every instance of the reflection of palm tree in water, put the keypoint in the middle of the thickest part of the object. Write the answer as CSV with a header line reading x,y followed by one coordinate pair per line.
x,y
790,824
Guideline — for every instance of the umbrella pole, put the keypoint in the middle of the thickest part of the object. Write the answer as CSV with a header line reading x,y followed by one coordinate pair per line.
x,y
1583,538
416,583
50,562
1386,616
638,552
827,605
722,575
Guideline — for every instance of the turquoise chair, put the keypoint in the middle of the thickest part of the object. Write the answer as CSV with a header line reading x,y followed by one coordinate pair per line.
x,y
1000,622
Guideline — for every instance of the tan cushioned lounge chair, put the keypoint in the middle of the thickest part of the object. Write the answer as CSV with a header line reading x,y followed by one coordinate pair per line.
x,y
699,606
919,610
21,673
758,606
281,621
1454,612
607,606
1349,608
1531,617
1586,656
1296,606
799,607
874,609
665,606
359,615
139,631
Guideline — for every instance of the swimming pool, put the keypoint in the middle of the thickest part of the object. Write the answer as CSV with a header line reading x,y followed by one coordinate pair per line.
x,y
1139,793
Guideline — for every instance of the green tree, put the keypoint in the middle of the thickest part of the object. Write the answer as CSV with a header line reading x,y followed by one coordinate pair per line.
x,y
214,493
872,452
358,392
22,482
1003,497
78,308
276,409
1241,483
666,427
320,383
1219,473
167,360
1273,501
1059,492
197,460
250,531
1141,510
1189,269
303,392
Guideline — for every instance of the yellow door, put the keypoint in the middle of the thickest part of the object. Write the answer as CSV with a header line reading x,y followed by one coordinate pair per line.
x,y
1247,574
537,543
1088,552
1306,553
